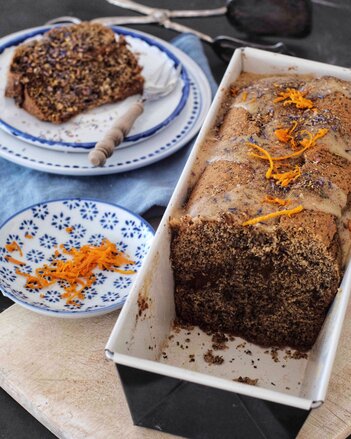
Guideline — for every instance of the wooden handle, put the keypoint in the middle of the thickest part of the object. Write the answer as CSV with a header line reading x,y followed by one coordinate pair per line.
x,y
115,135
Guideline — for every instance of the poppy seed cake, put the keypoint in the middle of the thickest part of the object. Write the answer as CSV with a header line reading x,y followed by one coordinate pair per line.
x,y
259,248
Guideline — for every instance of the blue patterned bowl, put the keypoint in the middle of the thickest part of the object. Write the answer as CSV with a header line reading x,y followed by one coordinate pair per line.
x,y
40,228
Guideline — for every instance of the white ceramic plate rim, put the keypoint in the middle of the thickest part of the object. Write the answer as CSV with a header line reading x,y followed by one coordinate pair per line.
x,y
18,38
77,313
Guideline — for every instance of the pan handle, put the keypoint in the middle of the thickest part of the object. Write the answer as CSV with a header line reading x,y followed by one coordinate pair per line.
x,y
224,46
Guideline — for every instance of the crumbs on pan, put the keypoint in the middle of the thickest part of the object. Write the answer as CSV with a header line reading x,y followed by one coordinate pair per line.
x,y
247,380
219,341
213,359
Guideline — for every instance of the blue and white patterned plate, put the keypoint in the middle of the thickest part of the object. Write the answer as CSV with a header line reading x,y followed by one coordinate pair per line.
x,y
40,228
163,144
82,132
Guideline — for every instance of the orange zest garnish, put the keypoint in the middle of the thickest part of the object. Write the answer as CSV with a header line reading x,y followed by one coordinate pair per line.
x,y
311,140
282,134
28,236
285,178
262,218
14,247
273,200
78,271
285,134
295,97
267,156
307,143
244,96
14,261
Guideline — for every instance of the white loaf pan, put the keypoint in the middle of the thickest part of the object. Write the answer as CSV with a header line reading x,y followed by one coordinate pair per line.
x,y
142,341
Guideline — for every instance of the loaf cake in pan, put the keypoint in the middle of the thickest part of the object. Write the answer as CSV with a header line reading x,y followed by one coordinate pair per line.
x,y
259,248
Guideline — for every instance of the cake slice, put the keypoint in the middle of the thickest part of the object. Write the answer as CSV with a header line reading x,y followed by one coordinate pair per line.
x,y
72,69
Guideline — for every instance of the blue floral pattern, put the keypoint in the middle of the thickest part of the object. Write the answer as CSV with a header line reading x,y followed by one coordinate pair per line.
x,y
7,274
99,278
47,241
90,293
60,221
109,220
78,231
19,294
72,223
35,256
122,246
29,227
96,239
40,211
111,296
89,211
3,253
131,229
72,243
14,238
52,296
122,282
72,204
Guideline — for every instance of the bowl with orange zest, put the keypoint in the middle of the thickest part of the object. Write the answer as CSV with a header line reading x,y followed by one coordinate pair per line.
x,y
73,257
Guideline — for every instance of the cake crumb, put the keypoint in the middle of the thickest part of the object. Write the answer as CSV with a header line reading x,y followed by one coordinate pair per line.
x,y
213,359
247,380
296,355
142,304
219,341
241,345
274,355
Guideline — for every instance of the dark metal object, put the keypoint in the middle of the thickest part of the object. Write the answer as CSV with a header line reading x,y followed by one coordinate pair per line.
x,y
222,45
254,17
282,18
200,412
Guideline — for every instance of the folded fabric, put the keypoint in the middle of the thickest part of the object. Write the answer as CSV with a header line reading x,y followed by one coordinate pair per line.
x,y
136,190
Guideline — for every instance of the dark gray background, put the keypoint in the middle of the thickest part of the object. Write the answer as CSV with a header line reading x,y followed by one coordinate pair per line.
x,y
329,42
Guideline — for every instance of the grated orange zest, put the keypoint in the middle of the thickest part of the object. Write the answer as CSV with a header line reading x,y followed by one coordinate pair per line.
x,y
13,246
262,218
295,97
78,271
311,140
267,156
285,135
306,143
14,261
273,200
285,178
282,134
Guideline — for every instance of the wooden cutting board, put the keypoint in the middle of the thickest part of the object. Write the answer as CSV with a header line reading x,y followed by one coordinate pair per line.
x,y
57,370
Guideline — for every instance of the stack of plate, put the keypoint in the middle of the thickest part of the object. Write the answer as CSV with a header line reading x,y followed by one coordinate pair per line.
x,y
164,127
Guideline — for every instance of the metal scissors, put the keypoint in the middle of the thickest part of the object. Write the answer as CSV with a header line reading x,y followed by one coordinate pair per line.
x,y
222,45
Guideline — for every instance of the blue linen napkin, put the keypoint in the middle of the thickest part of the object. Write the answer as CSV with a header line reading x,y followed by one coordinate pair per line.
x,y
136,190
